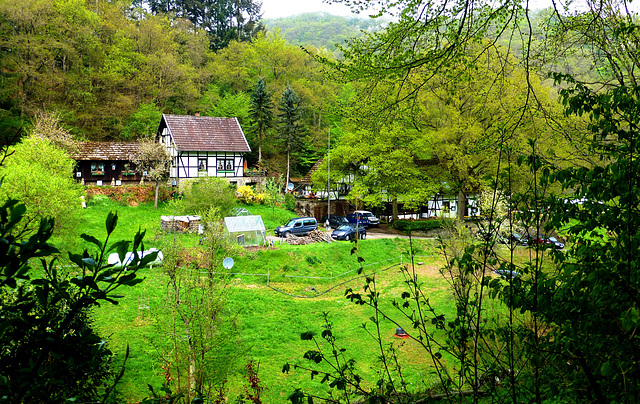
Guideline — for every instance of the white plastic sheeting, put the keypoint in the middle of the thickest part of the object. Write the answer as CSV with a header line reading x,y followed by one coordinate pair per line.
x,y
114,258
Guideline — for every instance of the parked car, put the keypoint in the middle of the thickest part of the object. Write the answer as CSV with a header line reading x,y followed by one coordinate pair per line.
x,y
349,231
335,221
504,273
544,240
518,239
299,226
358,218
492,237
373,220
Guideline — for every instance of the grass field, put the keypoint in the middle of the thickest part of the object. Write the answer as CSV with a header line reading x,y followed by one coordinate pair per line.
x,y
272,307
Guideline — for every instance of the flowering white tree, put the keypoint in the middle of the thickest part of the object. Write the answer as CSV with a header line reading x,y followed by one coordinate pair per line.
x,y
153,159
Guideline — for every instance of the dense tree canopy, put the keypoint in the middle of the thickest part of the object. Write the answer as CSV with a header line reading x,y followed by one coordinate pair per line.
x,y
223,20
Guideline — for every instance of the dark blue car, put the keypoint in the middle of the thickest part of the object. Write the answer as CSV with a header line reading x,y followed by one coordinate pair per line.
x,y
358,218
348,232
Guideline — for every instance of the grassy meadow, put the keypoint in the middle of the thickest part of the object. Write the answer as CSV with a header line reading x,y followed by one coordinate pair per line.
x,y
270,297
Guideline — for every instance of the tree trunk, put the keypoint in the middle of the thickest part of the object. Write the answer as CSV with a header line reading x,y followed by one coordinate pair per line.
x,y
155,204
462,205
288,156
394,210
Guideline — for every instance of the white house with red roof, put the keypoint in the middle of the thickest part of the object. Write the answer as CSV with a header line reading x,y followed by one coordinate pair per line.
x,y
203,146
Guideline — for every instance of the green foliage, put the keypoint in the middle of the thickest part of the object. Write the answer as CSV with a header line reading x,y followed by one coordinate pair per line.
x,y
226,104
261,114
205,193
143,123
590,294
38,175
291,129
108,63
50,351
196,336
322,30
290,202
422,225
223,20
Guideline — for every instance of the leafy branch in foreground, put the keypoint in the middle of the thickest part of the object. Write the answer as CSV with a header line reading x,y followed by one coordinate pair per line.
x,y
50,352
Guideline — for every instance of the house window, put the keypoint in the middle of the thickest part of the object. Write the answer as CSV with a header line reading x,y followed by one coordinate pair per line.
x,y
202,164
97,168
225,165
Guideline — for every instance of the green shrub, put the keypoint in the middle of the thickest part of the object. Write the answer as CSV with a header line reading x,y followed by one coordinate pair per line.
x,y
204,193
422,225
290,202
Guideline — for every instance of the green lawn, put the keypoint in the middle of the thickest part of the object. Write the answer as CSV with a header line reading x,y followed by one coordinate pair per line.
x,y
271,317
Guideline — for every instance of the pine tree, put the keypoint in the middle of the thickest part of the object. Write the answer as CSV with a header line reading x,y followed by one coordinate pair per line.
x,y
292,129
261,114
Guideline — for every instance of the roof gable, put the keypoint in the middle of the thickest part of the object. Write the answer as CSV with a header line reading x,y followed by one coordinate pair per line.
x,y
205,133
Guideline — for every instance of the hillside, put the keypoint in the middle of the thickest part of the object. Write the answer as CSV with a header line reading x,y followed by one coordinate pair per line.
x,y
322,30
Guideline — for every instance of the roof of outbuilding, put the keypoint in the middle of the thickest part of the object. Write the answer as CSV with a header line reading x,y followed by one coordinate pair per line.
x,y
205,133
307,178
115,151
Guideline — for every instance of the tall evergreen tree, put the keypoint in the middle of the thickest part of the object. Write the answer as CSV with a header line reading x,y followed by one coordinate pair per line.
x,y
291,130
224,20
261,114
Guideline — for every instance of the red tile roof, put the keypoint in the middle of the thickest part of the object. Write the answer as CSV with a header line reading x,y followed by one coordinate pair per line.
x,y
205,133
114,151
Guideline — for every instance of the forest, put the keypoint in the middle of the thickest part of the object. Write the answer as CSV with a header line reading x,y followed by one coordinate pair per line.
x,y
534,111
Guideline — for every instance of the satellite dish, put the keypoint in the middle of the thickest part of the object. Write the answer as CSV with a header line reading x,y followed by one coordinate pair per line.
x,y
227,263
290,186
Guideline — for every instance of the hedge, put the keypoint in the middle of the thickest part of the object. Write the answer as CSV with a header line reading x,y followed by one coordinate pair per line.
x,y
422,225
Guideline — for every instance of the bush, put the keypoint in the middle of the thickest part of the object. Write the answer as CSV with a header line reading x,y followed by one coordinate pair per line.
x,y
422,225
38,174
290,202
247,195
204,193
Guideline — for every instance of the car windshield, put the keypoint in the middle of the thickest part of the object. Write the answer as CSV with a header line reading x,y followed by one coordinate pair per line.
x,y
290,224
345,227
367,214
553,239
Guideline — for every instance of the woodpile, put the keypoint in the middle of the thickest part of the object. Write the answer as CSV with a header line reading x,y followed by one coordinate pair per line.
x,y
180,224
316,236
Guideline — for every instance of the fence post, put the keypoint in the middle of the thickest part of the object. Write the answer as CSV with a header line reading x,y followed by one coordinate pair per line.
x,y
268,274
400,258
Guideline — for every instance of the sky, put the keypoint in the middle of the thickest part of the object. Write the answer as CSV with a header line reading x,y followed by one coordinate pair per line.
x,y
284,8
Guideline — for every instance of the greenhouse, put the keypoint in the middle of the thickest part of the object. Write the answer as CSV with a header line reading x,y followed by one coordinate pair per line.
x,y
246,230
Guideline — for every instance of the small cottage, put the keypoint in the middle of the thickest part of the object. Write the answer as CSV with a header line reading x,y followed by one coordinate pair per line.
x,y
203,146
105,163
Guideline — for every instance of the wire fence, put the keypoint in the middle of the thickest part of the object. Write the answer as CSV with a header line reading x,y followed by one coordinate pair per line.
x,y
360,271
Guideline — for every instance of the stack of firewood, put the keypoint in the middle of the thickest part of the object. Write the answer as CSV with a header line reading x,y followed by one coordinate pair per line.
x,y
316,236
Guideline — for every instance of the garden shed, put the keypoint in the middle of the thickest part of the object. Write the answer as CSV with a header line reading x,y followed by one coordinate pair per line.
x,y
247,230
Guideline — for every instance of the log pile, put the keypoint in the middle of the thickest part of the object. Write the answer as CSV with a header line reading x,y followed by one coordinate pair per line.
x,y
180,224
316,236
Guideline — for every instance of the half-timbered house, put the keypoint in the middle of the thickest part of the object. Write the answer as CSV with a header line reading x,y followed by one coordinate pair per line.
x,y
204,146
